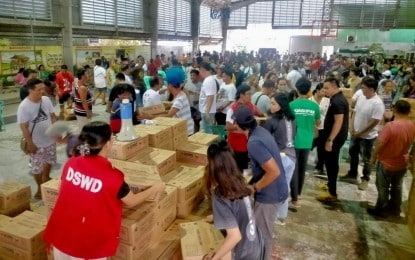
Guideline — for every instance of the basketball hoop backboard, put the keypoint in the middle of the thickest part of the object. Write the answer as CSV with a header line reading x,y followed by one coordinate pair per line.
x,y
325,28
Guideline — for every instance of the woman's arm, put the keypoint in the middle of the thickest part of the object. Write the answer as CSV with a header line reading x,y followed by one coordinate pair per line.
x,y
233,236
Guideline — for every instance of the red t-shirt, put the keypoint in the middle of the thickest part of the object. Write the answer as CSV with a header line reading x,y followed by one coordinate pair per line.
x,y
65,82
238,141
86,219
397,136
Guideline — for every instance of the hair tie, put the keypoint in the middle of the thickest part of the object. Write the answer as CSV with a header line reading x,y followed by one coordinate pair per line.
x,y
84,149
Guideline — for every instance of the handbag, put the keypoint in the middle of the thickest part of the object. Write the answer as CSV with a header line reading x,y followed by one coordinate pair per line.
x,y
23,141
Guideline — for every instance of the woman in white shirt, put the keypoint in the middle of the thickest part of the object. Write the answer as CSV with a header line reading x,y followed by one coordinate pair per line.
x,y
319,96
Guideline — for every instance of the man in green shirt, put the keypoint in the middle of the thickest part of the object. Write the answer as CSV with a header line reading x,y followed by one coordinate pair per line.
x,y
307,117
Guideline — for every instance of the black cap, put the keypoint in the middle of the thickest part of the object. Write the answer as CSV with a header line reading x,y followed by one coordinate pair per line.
x,y
243,115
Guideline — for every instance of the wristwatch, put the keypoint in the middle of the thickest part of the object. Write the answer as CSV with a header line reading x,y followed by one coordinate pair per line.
x,y
329,140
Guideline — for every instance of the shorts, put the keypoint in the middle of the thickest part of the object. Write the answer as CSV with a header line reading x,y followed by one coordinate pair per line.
x,y
101,90
65,96
44,155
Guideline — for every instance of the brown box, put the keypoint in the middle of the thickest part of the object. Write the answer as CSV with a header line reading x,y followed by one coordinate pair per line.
x,y
153,110
164,161
12,193
166,211
179,128
184,209
203,138
159,136
126,150
138,176
132,252
4,220
133,230
188,181
167,247
198,239
167,105
24,231
50,191
192,153
8,251
16,209
178,125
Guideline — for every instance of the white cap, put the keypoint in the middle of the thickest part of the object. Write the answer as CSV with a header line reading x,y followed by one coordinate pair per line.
x,y
387,73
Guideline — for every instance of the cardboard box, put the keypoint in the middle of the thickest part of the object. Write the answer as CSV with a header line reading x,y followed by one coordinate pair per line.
x,y
131,252
4,220
141,224
198,239
153,110
50,191
16,209
164,161
126,150
167,105
159,136
167,247
12,193
192,153
10,252
203,138
24,231
166,211
138,176
189,182
178,127
184,209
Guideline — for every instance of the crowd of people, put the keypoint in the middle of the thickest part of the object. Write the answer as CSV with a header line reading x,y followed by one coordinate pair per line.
x,y
301,97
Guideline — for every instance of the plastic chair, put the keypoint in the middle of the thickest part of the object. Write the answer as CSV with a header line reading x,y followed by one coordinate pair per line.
x,y
219,130
2,124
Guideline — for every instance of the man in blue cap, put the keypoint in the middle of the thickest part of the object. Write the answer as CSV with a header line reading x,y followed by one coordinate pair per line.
x,y
181,106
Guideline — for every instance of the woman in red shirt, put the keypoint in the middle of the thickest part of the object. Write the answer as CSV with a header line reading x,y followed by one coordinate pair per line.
x,y
236,140
86,220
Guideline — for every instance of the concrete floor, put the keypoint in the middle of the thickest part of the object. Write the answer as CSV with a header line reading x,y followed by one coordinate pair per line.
x,y
316,231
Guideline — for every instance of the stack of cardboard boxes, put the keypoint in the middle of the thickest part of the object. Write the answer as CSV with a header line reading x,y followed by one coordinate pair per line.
x,y
21,236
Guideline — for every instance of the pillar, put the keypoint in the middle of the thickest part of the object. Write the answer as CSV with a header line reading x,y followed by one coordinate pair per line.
x,y
195,24
150,14
66,19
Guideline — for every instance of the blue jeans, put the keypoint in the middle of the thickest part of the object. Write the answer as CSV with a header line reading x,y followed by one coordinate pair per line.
x,y
289,167
205,123
364,148
389,186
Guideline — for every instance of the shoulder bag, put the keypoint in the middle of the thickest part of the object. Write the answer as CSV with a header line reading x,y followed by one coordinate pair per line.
x,y
23,141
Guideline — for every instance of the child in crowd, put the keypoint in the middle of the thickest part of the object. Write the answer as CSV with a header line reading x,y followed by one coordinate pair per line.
x,y
115,115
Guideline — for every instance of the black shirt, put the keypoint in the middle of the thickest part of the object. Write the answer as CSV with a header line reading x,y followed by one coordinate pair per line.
x,y
338,105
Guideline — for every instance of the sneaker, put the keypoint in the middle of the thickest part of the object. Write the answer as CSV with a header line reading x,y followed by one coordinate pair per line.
x,y
323,186
280,222
363,185
318,172
326,197
294,204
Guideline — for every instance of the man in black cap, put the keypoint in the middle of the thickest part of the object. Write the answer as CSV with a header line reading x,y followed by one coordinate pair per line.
x,y
268,182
